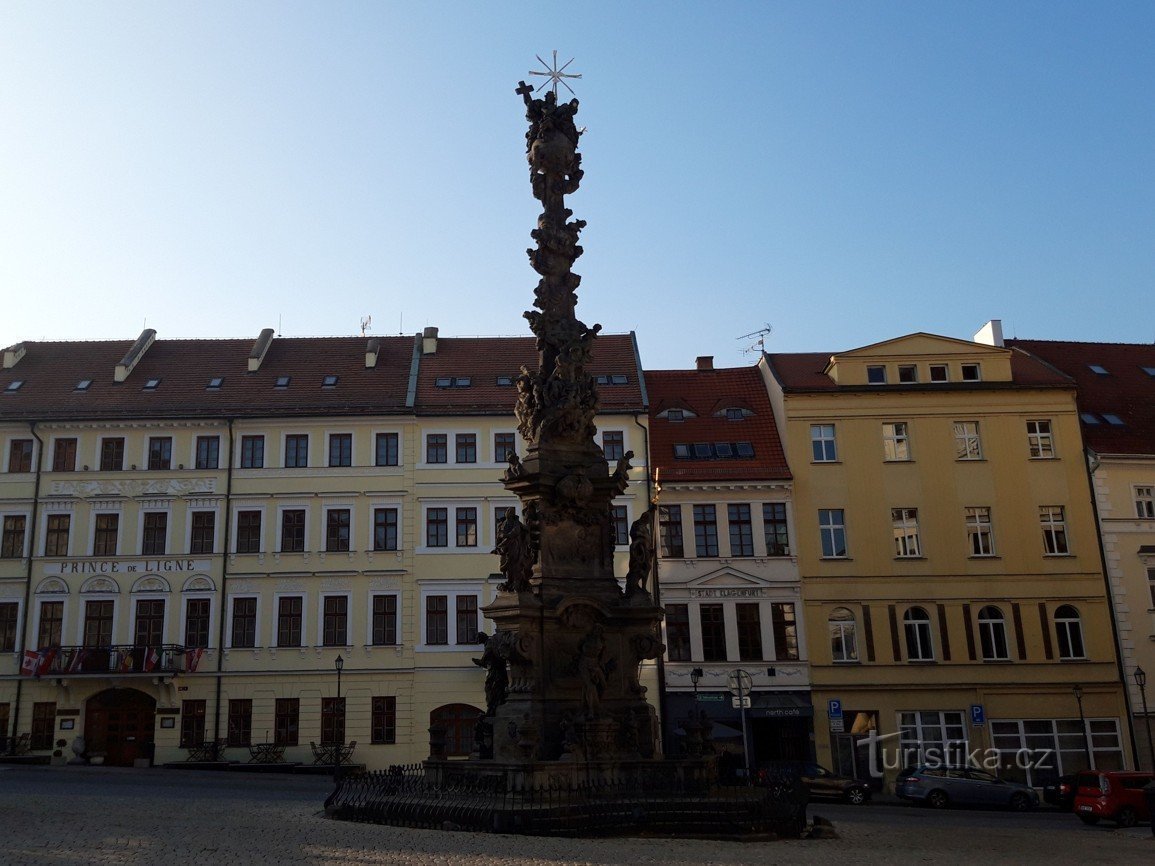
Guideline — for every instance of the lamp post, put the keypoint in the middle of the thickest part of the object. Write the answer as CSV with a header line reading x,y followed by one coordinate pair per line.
x,y
1078,690
339,664
1141,682
695,677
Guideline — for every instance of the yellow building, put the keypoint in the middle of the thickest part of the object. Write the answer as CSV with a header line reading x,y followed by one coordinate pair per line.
x,y
195,531
951,575
1116,383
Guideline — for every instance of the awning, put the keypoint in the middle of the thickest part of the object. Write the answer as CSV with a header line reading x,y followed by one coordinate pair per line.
x,y
769,705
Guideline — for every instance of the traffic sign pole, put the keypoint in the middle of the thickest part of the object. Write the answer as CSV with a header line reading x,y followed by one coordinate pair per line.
x,y
742,678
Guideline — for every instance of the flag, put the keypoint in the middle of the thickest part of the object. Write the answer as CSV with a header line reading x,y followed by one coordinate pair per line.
x,y
151,657
46,658
76,663
30,666
193,658
126,661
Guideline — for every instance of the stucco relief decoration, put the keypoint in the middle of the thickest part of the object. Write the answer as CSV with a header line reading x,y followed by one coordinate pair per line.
x,y
151,583
52,585
100,584
198,583
133,488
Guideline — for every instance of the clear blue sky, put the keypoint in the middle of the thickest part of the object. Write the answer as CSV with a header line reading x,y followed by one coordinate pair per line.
x,y
846,172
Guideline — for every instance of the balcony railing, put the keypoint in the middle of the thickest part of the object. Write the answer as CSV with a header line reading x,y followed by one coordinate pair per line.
x,y
118,659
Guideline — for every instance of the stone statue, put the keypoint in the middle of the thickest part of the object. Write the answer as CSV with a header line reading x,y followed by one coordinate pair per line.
x,y
641,553
592,670
493,659
515,551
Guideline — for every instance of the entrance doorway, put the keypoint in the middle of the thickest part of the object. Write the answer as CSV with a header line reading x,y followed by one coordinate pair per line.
x,y
119,724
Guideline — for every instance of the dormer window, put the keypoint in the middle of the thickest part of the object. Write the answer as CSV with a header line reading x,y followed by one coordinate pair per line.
x,y
939,373
675,415
1098,370
14,386
723,449
453,382
282,382
215,383
504,381
876,375
1113,420
462,382
682,452
83,385
151,385
329,382
444,382
1088,418
612,379
745,449
971,373
907,373
1150,371
735,414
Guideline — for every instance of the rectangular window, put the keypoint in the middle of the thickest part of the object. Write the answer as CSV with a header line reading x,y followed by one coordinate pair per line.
x,y
208,452
384,620
822,443
713,632
437,527
286,721
332,721
244,623
503,445
832,530
670,528
467,527
907,373
248,532
204,531
437,620
904,522
386,451
384,528
43,725
20,455
383,723
112,454
56,537
159,452
64,455
980,536
12,542
705,530
293,530
336,620
104,537
1151,585
467,619
240,722
196,622
1040,441
337,525
741,530
785,631
436,448
98,623
297,451
678,632
775,528
620,523
939,373
967,445
289,612
749,632
876,374
51,624
971,373
895,441
465,448
1145,502
8,623
149,628
1054,525
252,452
613,444
154,539
933,735
341,449
192,724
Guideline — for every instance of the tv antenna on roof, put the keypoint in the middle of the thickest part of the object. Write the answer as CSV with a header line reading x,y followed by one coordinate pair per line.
x,y
759,338
366,324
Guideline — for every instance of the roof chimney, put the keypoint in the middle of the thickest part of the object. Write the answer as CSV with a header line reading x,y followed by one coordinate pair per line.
x,y
372,350
991,334
260,347
13,354
429,341
133,356
705,362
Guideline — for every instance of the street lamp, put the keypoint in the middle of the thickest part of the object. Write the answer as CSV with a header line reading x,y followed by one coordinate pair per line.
x,y
339,664
1141,682
695,677
1078,690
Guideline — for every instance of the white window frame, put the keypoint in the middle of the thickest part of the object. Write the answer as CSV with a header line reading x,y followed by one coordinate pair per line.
x,y
133,598
96,511
86,597
451,589
832,528
451,506
819,441
871,369
143,509
192,461
839,629
239,438
396,594
396,431
923,632
326,507
896,442
28,530
945,372
1054,530
282,507
376,505
493,461
1067,626
149,436
34,625
907,540
275,617
352,434
216,510
189,595
625,440
979,526
349,618
978,371
478,448
921,725
1144,501
309,451
450,450
238,507
257,640
17,639
95,464
968,443
990,631
1076,743
63,509
36,455
1040,439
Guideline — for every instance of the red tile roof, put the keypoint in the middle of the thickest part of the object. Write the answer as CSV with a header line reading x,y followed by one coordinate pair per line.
x,y
705,392
483,359
1127,390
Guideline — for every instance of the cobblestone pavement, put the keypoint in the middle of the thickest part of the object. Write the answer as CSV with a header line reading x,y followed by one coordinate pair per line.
x,y
79,815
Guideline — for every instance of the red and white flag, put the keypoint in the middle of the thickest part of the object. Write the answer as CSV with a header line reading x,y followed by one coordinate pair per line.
x,y
76,663
193,658
30,666
46,658
151,658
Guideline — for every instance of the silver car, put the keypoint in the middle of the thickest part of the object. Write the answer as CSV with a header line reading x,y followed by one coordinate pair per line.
x,y
942,787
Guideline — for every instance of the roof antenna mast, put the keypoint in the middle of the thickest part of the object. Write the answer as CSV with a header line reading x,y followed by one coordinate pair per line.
x,y
759,338
366,324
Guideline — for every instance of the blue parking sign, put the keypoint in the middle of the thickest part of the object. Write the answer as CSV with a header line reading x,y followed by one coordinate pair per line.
x,y
834,708
978,715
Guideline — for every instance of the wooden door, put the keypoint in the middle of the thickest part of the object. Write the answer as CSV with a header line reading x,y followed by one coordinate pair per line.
x,y
120,723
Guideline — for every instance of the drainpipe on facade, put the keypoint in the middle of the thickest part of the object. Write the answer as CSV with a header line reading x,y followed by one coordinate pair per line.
x,y
224,581
1093,463
39,456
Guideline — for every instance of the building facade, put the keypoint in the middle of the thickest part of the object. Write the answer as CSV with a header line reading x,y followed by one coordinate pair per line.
x,y
951,576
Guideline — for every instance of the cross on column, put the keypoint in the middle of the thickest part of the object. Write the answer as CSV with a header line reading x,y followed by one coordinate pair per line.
x,y
523,89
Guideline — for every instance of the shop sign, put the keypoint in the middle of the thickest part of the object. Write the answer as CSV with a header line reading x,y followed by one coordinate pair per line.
x,y
133,566
727,593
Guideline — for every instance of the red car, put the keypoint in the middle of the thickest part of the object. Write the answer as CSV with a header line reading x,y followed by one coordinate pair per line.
x,y
1115,796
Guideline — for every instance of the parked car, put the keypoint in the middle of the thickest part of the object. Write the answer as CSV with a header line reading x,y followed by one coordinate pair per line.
x,y
1061,792
821,784
1116,796
942,787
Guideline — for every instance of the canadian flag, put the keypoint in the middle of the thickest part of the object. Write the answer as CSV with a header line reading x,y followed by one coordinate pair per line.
x,y
193,658
30,667
151,657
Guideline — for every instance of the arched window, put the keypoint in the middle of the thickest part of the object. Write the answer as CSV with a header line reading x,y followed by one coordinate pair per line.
x,y
457,720
843,639
1070,629
919,644
993,634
